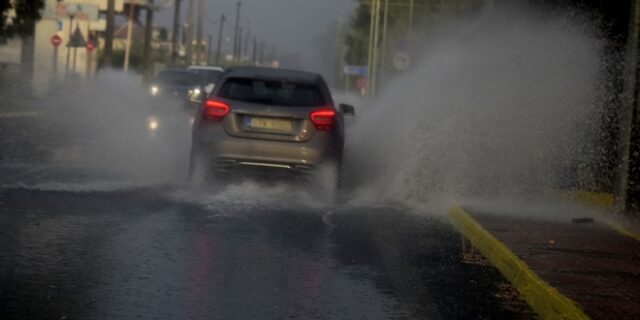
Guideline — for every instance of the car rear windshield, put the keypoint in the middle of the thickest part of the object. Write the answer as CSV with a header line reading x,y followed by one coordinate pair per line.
x,y
272,92
178,77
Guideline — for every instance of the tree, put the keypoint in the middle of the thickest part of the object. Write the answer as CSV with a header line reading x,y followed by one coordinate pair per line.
x,y
5,5
27,14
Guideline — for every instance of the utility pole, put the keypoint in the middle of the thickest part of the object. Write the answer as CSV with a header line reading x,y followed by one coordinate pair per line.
x,y
218,48
176,31
372,18
383,59
199,46
247,40
127,49
239,57
209,46
409,34
148,35
254,54
374,65
108,37
235,33
626,189
189,33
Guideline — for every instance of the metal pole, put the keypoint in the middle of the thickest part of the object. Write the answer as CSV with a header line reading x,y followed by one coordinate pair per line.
x,y
209,46
239,43
235,34
246,39
127,50
218,48
627,121
254,55
199,46
370,44
55,63
409,34
148,34
66,68
75,52
375,49
176,31
384,39
189,33
108,37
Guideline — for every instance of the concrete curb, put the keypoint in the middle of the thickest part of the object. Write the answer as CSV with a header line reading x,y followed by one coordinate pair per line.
x,y
545,300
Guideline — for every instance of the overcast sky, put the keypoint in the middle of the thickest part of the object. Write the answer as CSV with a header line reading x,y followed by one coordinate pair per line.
x,y
292,25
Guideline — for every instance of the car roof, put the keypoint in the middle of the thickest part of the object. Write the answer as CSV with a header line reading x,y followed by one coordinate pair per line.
x,y
177,71
212,68
273,73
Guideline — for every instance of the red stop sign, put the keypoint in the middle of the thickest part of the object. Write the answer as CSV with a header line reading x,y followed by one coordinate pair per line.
x,y
56,40
90,45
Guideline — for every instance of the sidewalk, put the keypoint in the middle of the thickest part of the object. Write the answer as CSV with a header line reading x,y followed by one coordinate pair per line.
x,y
570,264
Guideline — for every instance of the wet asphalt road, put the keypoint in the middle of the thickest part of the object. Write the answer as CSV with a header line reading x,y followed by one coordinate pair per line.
x,y
78,242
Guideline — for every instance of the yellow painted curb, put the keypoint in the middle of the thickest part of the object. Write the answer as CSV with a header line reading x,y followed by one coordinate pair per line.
x,y
545,300
605,201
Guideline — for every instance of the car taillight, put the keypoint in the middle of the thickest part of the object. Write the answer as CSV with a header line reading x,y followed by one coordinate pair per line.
x,y
215,110
323,119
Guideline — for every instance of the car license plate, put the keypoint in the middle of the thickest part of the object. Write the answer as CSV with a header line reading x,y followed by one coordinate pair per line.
x,y
270,124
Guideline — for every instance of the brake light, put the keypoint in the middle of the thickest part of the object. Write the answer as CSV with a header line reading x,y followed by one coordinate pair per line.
x,y
324,119
215,110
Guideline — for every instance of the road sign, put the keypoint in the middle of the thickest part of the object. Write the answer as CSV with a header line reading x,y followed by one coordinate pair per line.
x,y
401,61
77,39
56,40
355,70
90,45
361,83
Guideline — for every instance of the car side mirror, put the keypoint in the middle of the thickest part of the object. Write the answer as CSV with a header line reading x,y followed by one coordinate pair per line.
x,y
347,109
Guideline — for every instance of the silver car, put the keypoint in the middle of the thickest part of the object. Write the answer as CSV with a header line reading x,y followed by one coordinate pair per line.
x,y
270,121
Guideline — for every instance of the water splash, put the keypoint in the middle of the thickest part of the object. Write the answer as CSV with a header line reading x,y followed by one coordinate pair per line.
x,y
504,104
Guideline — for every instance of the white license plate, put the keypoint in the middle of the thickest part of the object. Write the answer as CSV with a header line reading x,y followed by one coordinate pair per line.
x,y
270,124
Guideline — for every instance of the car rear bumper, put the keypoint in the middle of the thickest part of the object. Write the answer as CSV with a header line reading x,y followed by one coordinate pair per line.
x,y
226,152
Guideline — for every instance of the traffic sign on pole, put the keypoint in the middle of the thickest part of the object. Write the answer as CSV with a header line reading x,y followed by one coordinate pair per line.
x,y
90,45
356,70
401,61
56,40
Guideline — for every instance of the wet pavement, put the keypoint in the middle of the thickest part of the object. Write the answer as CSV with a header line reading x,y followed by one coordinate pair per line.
x,y
139,254
85,233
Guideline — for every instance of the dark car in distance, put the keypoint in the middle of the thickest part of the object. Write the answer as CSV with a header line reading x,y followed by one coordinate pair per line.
x,y
268,120
177,84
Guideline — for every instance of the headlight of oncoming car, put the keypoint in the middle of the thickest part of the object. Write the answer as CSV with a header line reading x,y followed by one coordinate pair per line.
x,y
155,90
195,94
153,124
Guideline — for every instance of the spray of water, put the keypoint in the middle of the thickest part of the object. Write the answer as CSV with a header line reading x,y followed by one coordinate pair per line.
x,y
501,105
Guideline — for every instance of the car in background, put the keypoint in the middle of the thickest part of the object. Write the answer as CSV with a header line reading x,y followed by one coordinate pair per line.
x,y
179,84
273,121
209,75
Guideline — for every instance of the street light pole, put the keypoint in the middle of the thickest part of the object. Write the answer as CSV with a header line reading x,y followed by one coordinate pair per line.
x,y
222,21
374,66
127,49
189,33
372,17
71,16
176,31
108,37
235,33
148,34
199,47
384,39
